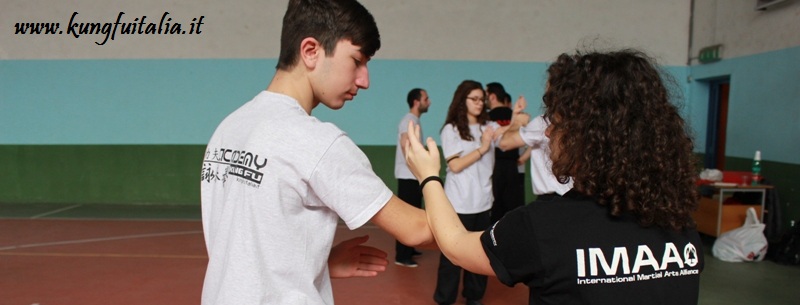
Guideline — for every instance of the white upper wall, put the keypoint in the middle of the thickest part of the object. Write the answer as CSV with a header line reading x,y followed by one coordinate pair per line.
x,y
507,30
525,30
742,30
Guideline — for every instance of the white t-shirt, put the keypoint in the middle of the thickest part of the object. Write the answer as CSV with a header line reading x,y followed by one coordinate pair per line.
x,y
401,170
542,179
470,191
274,183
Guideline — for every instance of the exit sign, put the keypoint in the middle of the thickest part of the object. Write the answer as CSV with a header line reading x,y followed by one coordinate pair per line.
x,y
709,54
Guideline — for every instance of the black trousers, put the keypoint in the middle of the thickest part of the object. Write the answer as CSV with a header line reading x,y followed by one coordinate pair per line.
x,y
407,190
507,188
450,274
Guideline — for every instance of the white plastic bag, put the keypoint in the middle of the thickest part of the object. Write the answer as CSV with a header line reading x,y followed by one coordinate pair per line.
x,y
744,244
711,174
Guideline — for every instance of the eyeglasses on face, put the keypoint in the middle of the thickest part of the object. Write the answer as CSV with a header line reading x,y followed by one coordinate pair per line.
x,y
476,99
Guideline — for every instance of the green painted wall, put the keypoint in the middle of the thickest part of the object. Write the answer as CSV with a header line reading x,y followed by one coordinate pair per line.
x,y
169,174
113,174
123,174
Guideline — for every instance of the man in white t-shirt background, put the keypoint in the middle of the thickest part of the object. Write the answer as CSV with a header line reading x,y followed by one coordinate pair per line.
x,y
407,185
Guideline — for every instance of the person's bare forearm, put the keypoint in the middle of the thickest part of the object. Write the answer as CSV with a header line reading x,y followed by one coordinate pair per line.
x,y
442,218
510,140
406,223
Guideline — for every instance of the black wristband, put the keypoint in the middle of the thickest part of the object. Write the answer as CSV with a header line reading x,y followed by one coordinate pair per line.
x,y
429,179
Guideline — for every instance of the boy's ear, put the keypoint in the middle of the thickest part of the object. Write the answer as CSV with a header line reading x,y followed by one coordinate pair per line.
x,y
310,52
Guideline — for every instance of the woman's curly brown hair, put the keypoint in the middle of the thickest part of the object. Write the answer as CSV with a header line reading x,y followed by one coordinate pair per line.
x,y
616,134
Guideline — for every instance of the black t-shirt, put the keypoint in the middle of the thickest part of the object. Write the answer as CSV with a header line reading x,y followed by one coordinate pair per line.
x,y
502,115
570,251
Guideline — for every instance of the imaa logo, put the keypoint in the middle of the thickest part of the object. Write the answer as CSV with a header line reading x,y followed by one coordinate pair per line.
x,y
620,264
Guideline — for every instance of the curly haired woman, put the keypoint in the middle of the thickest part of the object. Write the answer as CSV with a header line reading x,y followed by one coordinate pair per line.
x,y
623,234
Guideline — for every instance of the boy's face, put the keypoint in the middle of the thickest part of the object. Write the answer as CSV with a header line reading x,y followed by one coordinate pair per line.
x,y
341,75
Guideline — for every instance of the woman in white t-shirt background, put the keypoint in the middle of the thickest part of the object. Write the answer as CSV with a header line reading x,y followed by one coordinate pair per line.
x,y
469,152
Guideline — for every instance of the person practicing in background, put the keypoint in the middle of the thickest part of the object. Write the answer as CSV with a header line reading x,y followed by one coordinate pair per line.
x,y
407,185
276,180
624,233
508,191
544,184
524,156
469,153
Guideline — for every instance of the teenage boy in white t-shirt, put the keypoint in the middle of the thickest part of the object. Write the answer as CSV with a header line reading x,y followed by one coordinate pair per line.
x,y
276,180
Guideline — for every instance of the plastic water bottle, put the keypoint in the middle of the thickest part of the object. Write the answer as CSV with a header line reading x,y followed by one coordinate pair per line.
x,y
756,168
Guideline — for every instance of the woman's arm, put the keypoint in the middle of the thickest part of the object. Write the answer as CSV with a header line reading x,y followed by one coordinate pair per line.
x,y
525,156
459,163
510,138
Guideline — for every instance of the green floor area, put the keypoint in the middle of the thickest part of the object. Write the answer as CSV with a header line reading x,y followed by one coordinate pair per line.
x,y
100,211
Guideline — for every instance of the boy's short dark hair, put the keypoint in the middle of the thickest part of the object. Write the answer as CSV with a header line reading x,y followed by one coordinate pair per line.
x,y
497,89
506,98
328,21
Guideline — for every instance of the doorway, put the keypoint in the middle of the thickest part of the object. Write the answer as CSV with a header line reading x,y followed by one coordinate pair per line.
x,y
717,123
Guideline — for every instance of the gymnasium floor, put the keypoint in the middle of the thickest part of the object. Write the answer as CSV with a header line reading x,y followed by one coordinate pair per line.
x,y
119,254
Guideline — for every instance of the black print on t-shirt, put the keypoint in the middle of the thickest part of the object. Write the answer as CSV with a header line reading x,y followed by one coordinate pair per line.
x,y
221,162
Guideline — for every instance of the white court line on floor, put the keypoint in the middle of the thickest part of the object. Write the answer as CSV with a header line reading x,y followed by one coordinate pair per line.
x,y
55,211
80,241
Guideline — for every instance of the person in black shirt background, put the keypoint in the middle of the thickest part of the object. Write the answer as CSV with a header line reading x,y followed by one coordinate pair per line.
x,y
508,190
